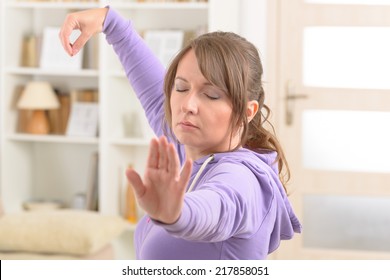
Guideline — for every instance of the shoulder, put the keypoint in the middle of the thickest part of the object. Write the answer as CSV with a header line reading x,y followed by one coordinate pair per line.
x,y
245,161
229,174
245,167
230,168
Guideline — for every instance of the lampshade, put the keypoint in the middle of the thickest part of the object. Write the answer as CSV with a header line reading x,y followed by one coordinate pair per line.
x,y
38,95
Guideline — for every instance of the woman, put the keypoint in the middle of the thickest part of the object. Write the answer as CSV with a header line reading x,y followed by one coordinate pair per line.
x,y
212,187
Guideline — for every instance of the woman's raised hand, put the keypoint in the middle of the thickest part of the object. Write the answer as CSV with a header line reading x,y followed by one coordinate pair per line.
x,y
161,193
89,22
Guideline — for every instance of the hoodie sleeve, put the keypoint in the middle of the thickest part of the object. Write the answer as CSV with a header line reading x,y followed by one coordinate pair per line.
x,y
142,67
222,207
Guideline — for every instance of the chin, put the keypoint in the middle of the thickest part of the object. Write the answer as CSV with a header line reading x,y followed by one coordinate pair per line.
x,y
187,140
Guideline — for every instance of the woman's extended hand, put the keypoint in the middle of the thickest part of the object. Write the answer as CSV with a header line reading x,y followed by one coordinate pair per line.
x,y
89,22
161,193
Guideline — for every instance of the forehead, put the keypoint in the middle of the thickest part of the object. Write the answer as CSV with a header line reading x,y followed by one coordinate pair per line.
x,y
188,69
188,60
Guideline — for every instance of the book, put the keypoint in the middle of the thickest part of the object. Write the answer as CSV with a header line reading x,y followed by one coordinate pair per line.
x,y
54,121
58,118
64,111
84,95
30,51
92,191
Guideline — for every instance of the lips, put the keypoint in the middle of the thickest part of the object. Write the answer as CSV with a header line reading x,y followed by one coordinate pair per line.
x,y
187,124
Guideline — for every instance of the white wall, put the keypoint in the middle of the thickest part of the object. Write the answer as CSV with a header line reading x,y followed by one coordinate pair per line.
x,y
245,17
257,26
253,24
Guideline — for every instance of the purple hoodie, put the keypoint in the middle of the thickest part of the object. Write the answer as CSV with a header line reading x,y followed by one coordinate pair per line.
x,y
237,208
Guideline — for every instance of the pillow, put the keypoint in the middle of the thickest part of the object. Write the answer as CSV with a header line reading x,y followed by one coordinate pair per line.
x,y
59,231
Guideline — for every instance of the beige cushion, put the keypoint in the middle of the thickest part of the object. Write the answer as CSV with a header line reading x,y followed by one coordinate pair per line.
x,y
106,253
62,231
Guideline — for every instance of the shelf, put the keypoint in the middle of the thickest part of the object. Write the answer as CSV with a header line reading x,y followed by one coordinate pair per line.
x,y
75,140
52,72
52,139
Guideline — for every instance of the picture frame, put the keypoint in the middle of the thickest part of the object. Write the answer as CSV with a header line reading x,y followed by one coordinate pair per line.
x,y
165,44
83,119
53,55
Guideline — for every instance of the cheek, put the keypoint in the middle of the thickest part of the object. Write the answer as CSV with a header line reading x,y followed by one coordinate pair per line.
x,y
174,106
221,118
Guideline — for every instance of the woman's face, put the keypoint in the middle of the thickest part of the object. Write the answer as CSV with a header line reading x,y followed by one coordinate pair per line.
x,y
201,112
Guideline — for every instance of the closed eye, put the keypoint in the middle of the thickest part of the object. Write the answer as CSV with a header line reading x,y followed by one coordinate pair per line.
x,y
212,97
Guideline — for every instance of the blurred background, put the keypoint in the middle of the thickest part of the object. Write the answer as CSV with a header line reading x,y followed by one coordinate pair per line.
x,y
326,65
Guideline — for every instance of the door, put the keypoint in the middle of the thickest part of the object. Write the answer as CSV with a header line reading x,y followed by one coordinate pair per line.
x,y
333,85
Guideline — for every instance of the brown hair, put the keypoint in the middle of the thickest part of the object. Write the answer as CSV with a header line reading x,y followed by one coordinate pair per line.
x,y
233,64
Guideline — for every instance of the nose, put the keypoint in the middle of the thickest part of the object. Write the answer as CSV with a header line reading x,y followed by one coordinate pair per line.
x,y
190,103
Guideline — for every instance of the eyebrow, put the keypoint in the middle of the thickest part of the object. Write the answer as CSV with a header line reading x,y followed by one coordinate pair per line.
x,y
185,80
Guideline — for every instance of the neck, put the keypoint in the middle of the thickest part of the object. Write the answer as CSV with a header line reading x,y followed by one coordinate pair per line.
x,y
195,155
196,152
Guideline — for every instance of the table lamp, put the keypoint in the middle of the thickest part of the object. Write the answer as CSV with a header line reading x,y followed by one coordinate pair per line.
x,y
38,96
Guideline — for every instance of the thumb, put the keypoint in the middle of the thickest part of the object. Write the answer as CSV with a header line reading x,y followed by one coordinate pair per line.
x,y
136,182
79,43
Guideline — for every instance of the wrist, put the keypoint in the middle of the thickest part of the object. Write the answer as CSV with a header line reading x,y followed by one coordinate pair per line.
x,y
163,221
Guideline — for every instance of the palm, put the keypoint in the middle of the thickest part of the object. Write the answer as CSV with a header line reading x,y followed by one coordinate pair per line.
x,y
161,193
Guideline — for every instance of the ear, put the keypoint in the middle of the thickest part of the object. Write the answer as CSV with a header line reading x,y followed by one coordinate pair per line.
x,y
251,110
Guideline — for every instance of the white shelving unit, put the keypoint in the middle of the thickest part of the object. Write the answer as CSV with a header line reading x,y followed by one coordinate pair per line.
x,y
57,167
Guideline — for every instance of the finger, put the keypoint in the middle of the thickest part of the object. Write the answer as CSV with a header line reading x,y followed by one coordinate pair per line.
x,y
163,153
174,163
136,182
185,173
79,43
68,26
153,154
